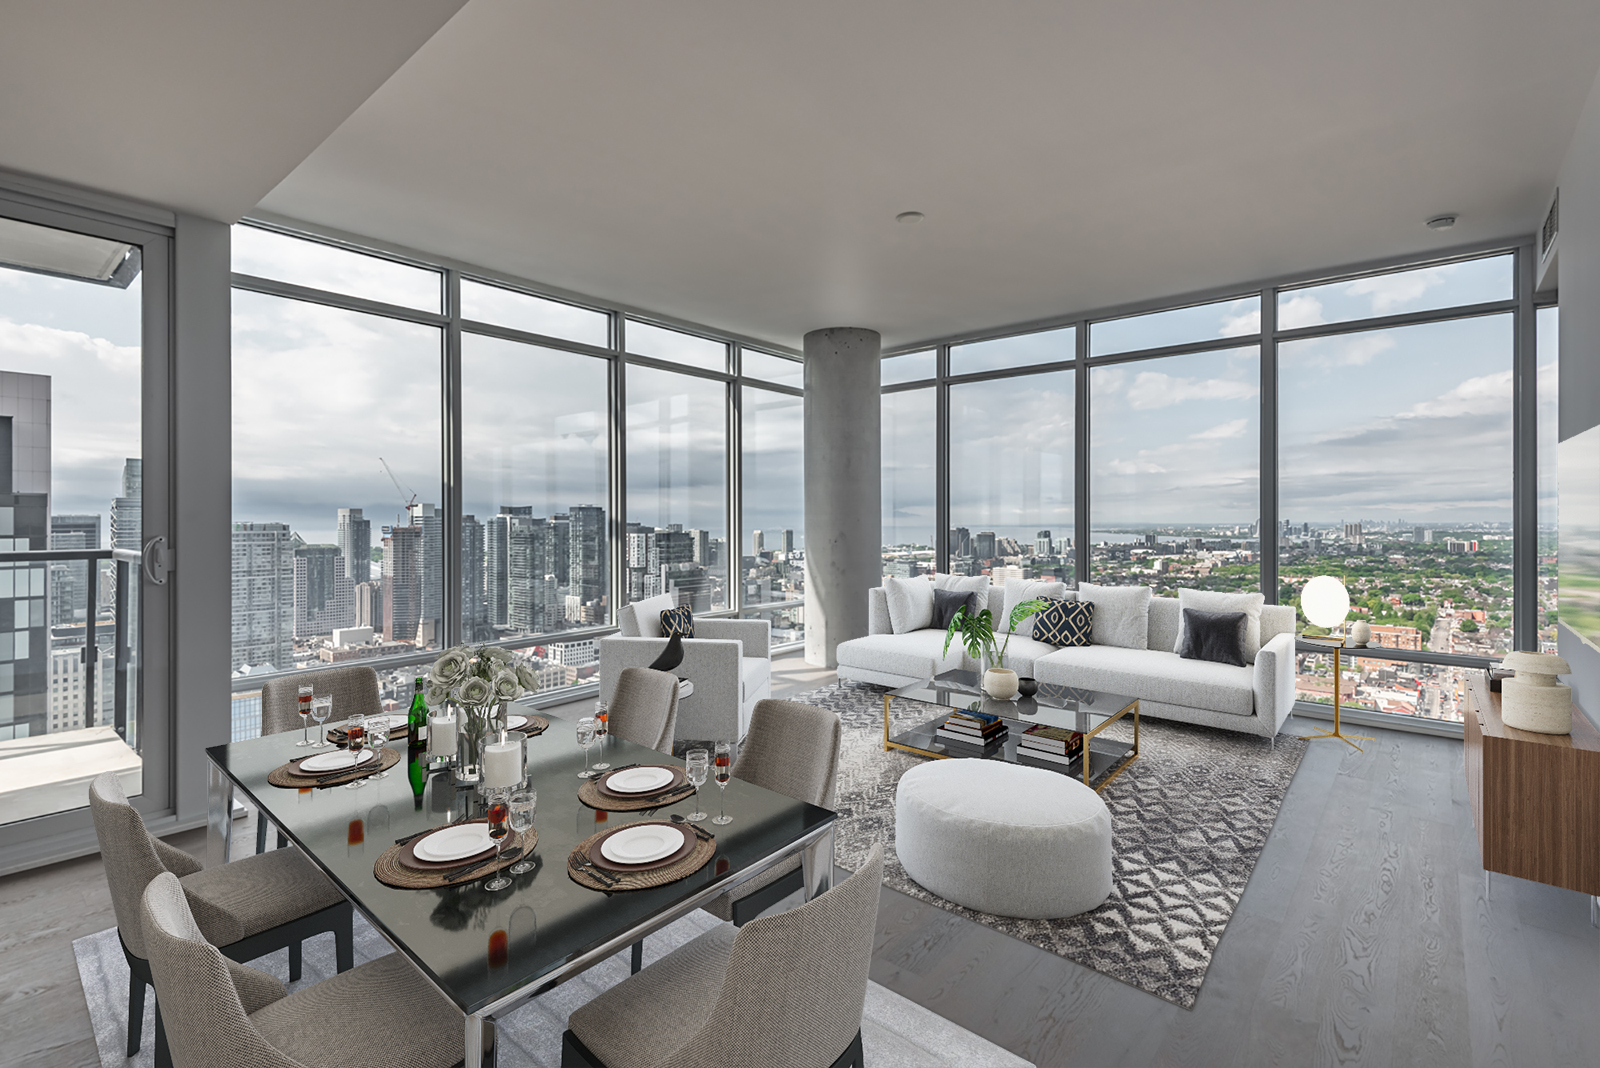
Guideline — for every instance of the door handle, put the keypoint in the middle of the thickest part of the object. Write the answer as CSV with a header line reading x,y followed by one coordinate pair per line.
x,y
156,560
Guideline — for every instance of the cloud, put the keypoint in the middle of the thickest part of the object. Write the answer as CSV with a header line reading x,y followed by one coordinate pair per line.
x,y
1135,467
1239,325
1153,389
1393,293
1346,350
1232,429
1300,310
1486,395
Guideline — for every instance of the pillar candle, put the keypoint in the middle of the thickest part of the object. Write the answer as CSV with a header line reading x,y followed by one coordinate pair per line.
x,y
502,763
442,735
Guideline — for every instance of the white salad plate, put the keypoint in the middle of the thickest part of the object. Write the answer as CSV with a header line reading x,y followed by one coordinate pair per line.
x,y
641,845
454,843
335,761
639,780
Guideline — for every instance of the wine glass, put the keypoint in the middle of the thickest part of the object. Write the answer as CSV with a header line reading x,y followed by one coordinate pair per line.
x,y
696,763
524,806
499,829
724,765
304,708
378,737
602,717
355,733
586,735
321,709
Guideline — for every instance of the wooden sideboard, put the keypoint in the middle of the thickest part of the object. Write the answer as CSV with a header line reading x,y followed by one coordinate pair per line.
x,y
1535,797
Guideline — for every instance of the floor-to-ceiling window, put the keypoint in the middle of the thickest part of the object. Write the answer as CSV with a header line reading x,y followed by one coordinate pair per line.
x,y
1549,366
1362,428
910,491
424,454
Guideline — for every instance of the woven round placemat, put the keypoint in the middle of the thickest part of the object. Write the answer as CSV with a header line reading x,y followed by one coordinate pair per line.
x,y
290,779
388,870
536,725
703,851
589,793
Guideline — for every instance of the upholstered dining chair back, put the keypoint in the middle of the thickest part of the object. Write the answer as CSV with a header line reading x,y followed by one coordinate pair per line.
x,y
354,691
644,708
796,983
132,856
793,749
205,998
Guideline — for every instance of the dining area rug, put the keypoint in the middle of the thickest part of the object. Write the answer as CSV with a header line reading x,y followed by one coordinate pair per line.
x,y
1189,819
895,1032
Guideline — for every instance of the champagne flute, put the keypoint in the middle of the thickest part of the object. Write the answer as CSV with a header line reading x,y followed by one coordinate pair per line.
x,y
304,708
499,829
378,737
524,806
586,734
321,709
602,719
355,733
696,763
724,764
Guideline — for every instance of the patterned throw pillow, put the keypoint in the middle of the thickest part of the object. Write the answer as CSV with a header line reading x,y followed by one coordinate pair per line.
x,y
679,621
1065,623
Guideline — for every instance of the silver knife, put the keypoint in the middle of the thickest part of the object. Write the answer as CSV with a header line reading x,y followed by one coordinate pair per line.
x,y
510,854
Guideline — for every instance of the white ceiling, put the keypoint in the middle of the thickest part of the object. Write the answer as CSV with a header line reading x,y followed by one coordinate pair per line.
x,y
197,105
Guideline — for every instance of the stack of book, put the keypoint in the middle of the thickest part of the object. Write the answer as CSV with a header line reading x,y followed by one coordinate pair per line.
x,y
1049,747
972,731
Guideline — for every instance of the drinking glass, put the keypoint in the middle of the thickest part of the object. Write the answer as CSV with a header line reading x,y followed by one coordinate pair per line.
x,y
499,829
602,717
696,763
586,734
321,709
724,765
378,737
524,806
304,708
356,740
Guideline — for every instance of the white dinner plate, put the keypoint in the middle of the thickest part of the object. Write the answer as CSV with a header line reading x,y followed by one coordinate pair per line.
x,y
392,721
334,761
513,722
639,780
641,845
454,843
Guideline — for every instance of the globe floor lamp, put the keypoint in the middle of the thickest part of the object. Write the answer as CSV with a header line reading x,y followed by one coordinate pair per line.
x,y
1325,602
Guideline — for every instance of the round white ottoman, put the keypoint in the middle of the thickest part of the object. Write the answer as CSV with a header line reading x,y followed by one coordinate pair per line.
x,y
1004,839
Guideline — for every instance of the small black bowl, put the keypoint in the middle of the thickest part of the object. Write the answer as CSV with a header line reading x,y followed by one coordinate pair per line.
x,y
1027,686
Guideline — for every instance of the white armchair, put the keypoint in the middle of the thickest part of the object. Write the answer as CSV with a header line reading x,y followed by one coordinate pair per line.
x,y
729,662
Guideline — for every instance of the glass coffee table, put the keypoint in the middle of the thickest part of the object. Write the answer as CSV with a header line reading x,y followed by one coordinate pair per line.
x,y
1089,712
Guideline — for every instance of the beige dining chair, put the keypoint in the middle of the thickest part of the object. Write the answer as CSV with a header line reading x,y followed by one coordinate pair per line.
x,y
222,1014
644,708
250,907
783,991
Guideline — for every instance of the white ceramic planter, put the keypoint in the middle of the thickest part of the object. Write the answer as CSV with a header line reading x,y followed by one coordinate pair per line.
x,y
1000,683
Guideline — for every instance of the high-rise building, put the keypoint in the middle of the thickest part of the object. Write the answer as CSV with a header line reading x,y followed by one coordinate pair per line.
x,y
354,539
402,583
787,542
474,608
1044,544
71,595
263,595
430,560
758,544
960,542
369,605
497,563
1352,533
125,510
586,554
25,504
324,598
983,545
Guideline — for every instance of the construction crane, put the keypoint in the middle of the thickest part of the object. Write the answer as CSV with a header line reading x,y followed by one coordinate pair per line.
x,y
401,489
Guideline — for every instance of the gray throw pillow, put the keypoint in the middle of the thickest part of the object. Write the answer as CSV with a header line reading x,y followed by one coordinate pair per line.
x,y
1214,636
946,603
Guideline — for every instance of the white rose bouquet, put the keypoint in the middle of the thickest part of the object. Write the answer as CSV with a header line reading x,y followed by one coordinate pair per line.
x,y
477,679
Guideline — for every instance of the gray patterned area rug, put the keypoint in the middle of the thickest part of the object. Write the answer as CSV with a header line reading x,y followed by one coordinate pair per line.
x,y
1189,819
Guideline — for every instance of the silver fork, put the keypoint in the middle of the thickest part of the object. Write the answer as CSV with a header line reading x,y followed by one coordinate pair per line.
x,y
604,878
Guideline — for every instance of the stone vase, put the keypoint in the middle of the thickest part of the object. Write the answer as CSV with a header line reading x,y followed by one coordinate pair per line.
x,y
1000,683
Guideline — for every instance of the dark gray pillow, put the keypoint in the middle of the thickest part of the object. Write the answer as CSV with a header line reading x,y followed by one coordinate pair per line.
x,y
947,602
1214,636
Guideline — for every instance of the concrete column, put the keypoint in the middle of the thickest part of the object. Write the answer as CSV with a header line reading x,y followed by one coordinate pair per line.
x,y
844,532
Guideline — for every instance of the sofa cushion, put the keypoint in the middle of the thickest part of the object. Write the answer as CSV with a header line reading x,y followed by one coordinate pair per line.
x,y
1121,614
754,673
1024,653
918,655
910,603
679,621
1065,623
978,584
946,603
1210,601
1152,674
1164,619
646,622
1019,590
1214,636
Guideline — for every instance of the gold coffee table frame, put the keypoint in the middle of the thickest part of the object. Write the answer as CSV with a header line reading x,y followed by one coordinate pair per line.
x,y
1104,781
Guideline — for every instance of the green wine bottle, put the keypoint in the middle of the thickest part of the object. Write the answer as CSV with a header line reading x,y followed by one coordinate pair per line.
x,y
417,771
417,717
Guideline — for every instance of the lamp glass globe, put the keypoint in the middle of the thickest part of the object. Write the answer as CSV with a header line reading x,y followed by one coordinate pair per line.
x,y
1325,601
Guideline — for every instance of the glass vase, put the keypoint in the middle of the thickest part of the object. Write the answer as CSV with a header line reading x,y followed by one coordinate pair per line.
x,y
472,726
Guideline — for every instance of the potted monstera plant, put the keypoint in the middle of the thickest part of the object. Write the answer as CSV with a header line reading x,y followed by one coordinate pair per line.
x,y
989,649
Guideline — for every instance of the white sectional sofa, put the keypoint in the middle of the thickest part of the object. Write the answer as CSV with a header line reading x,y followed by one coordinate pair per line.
x,y
1254,699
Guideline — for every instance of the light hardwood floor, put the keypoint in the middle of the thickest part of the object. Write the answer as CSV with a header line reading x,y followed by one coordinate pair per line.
x,y
1364,938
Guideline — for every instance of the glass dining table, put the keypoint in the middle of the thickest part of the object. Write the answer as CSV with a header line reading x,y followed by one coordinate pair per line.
x,y
489,953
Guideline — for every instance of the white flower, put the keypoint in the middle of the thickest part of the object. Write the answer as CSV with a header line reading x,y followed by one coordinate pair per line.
x,y
526,676
507,687
496,654
448,669
435,694
475,690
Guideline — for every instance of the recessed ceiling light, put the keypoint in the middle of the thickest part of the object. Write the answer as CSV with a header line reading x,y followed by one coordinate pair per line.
x,y
909,217
1441,222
